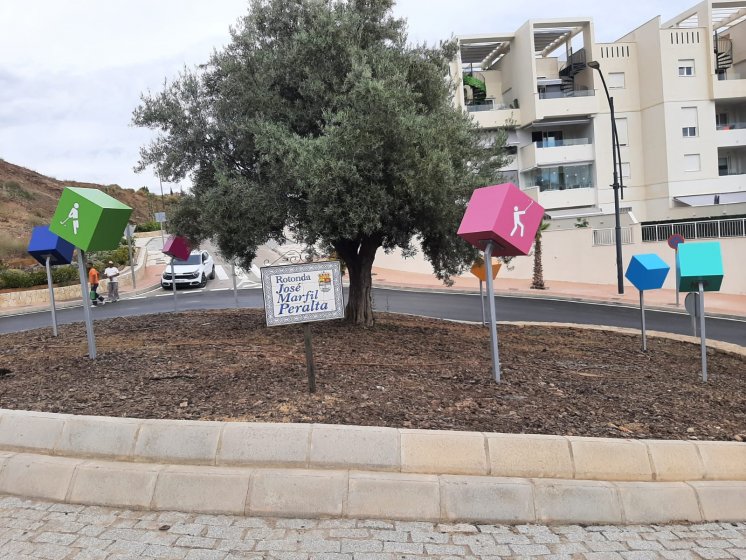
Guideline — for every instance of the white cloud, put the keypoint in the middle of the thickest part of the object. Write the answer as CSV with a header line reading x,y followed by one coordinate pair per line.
x,y
71,72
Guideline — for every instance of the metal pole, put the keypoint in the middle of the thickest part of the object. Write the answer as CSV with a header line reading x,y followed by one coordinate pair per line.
x,y
173,282
132,263
51,298
309,358
481,298
493,315
676,260
702,336
642,321
235,288
695,314
615,187
86,305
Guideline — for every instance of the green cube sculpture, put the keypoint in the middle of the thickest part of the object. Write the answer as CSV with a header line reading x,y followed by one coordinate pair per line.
x,y
699,262
90,219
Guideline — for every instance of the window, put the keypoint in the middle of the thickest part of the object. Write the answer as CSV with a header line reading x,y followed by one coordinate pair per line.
x,y
691,162
688,121
721,121
621,130
723,166
616,80
686,67
625,170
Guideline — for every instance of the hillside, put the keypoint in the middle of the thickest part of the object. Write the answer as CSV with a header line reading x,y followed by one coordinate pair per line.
x,y
28,199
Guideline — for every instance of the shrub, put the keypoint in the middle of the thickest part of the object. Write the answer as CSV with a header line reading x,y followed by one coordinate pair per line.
x,y
15,278
148,226
14,191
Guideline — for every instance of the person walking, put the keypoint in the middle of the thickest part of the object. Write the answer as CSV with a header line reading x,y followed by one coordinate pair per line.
x,y
93,280
112,275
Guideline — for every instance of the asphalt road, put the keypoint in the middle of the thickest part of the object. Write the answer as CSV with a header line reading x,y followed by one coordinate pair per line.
x,y
462,307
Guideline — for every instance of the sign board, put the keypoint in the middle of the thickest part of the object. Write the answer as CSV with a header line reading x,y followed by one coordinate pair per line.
x,y
160,217
691,304
480,270
129,231
302,293
675,240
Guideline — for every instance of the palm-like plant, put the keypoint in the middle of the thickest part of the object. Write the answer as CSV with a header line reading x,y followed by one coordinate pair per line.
x,y
538,281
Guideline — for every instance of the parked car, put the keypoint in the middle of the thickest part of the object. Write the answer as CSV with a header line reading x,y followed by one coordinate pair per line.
x,y
193,272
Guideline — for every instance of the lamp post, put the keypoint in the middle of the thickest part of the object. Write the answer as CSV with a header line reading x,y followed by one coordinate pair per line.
x,y
616,186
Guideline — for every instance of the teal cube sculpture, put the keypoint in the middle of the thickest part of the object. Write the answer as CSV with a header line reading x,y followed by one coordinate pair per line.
x,y
699,262
90,219
647,272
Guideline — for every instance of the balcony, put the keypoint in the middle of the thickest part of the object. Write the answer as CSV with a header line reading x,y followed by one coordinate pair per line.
x,y
563,186
556,152
732,88
731,134
488,113
566,104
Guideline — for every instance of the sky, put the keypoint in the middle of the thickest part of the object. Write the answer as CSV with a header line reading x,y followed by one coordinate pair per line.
x,y
72,71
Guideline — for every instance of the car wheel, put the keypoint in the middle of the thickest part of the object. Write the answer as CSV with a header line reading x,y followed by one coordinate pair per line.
x,y
204,281
212,274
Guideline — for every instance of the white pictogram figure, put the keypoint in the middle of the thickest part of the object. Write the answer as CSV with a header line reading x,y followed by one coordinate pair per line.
x,y
73,215
517,219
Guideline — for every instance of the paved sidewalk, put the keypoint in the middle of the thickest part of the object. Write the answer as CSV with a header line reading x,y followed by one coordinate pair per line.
x,y
715,302
41,530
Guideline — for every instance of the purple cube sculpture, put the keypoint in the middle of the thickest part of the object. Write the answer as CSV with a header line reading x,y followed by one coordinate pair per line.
x,y
177,247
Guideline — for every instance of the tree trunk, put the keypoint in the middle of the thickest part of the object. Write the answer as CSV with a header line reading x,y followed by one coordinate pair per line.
x,y
359,259
538,281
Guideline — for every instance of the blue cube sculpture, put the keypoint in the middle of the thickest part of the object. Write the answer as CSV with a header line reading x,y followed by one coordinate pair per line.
x,y
45,244
647,272
699,262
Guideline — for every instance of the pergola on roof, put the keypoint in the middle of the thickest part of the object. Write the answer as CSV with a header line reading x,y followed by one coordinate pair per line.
x,y
724,14
484,50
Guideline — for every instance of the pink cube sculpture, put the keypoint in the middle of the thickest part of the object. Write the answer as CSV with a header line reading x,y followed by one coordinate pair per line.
x,y
503,214
177,247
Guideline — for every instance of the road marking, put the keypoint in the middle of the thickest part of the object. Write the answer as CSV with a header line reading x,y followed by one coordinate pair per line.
x,y
220,272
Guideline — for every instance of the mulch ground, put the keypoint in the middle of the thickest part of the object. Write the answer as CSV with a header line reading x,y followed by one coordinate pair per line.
x,y
403,372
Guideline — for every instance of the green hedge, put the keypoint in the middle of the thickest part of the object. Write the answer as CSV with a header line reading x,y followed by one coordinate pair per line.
x,y
15,278
148,226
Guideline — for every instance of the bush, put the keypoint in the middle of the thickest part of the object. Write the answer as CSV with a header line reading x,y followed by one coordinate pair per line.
x,y
15,278
148,226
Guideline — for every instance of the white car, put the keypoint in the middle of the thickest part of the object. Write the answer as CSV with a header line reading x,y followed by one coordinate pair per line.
x,y
193,272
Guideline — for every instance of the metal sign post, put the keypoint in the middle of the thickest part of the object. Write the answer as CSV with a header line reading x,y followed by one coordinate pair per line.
x,y
128,231
674,241
160,217
51,297
481,298
493,315
86,305
692,307
703,337
235,287
310,367
173,282
642,321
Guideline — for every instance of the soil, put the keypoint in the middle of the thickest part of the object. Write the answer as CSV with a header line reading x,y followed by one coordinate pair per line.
x,y
403,372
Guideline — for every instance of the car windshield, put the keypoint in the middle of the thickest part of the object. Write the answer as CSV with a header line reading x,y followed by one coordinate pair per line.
x,y
193,259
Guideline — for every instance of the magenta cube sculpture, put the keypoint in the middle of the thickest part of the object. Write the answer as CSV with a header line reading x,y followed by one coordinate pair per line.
x,y
177,247
503,214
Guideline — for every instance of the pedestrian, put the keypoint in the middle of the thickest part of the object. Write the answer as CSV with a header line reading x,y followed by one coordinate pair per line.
x,y
112,275
93,280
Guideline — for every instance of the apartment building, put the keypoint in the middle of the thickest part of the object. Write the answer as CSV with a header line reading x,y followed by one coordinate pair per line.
x,y
679,90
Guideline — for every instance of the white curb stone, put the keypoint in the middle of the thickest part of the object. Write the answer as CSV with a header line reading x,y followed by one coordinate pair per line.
x,y
721,501
609,459
178,441
403,496
576,501
297,493
30,431
91,436
38,476
531,456
186,488
723,460
128,485
264,444
354,447
443,452
675,460
483,498
644,502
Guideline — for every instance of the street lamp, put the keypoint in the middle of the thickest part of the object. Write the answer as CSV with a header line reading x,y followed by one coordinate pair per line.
x,y
617,186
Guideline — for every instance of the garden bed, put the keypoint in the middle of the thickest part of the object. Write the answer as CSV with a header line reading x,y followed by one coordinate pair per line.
x,y
404,372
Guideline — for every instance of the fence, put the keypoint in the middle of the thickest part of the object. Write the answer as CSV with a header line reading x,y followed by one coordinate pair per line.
x,y
711,229
607,236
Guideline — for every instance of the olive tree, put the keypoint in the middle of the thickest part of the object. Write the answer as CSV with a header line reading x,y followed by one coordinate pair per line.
x,y
321,119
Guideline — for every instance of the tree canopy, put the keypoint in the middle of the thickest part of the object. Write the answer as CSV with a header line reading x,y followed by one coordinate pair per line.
x,y
320,119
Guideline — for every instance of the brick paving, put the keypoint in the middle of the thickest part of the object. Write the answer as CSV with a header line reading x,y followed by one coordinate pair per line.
x,y
31,529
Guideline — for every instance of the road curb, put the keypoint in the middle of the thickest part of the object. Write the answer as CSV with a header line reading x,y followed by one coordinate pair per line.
x,y
318,470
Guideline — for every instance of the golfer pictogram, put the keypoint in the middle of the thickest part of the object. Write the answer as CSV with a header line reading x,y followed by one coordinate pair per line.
x,y
73,215
517,219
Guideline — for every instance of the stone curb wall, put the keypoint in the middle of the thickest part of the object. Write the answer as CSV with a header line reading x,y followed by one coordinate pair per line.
x,y
39,296
321,446
366,494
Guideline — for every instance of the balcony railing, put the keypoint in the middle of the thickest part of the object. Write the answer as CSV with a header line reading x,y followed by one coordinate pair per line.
x,y
731,126
729,172
563,177
485,105
607,236
710,229
565,94
552,143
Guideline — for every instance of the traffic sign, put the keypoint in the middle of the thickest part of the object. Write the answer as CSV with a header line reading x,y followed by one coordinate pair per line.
x,y
675,240
480,270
